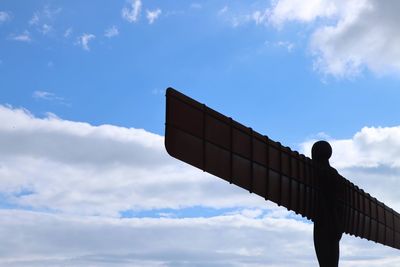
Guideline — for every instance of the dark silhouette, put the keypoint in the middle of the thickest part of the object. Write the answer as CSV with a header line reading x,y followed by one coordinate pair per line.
x,y
221,146
328,219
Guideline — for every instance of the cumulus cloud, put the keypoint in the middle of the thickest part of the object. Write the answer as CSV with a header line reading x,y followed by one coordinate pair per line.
x,y
4,16
131,12
111,32
360,35
363,39
153,15
75,167
84,40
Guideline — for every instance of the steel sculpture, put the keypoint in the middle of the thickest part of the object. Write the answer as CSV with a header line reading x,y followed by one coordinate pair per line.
x,y
214,143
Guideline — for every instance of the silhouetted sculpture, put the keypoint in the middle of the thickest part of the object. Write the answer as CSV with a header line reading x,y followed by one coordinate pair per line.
x,y
313,189
328,219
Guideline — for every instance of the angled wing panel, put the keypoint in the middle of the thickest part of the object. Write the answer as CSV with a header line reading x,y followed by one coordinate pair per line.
x,y
223,147
368,218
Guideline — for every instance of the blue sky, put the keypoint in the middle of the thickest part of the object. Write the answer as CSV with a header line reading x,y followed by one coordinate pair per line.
x,y
82,113
245,71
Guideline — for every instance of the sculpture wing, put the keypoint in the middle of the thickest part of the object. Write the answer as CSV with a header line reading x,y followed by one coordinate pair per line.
x,y
368,218
225,148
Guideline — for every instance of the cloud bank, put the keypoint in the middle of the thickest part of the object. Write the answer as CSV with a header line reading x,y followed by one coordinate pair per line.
x,y
65,185
74,167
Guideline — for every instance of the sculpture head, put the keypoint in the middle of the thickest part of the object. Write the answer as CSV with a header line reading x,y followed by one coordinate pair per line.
x,y
321,151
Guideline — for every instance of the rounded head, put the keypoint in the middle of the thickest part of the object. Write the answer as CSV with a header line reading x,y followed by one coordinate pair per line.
x,y
321,151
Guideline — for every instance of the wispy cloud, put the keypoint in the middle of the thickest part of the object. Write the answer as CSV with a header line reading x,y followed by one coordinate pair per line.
x,y
153,15
84,40
260,17
111,32
68,32
45,29
131,12
35,19
287,45
23,37
43,19
4,16
223,10
51,13
44,95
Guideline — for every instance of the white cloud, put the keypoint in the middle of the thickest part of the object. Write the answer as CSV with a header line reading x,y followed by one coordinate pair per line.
x,y
238,18
350,36
111,32
35,19
346,38
23,37
4,16
106,169
42,20
287,45
223,10
50,13
46,95
45,29
42,94
297,10
370,147
84,40
153,15
68,32
231,240
131,12
260,17
363,39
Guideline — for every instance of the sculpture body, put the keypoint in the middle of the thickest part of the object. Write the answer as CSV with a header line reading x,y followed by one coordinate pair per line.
x,y
328,220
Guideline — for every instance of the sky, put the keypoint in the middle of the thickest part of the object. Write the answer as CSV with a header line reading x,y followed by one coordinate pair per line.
x,y
84,176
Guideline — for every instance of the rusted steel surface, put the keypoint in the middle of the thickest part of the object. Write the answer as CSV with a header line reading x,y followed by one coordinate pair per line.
x,y
214,143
